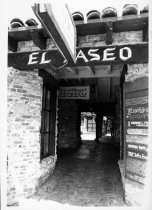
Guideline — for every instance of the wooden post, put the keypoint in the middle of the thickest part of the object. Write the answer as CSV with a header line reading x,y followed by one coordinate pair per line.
x,y
97,127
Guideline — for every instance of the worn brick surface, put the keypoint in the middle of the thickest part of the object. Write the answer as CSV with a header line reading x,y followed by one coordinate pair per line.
x,y
67,127
118,38
87,177
24,170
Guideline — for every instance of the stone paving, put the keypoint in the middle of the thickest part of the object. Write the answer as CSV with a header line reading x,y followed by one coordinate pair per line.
x,y
87,177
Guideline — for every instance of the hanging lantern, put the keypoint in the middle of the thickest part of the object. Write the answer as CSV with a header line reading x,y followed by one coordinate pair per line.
x,y
78,16
109,12
16,22
93,14
31,22
130,9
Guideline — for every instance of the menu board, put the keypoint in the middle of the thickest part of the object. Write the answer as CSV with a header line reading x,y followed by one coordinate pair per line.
x,y
136,121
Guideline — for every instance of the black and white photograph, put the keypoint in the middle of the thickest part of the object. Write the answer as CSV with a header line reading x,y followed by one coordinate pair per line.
x,y
76,128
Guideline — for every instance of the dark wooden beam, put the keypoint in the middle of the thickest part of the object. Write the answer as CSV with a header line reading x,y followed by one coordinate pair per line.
x,y
12,44
109,31
46,58
145,31
38,39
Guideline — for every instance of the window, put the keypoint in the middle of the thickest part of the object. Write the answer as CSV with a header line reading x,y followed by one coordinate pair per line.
x,y
90,125
48,123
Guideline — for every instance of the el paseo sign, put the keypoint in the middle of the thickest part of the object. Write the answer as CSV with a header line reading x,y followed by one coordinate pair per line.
x,y
119,54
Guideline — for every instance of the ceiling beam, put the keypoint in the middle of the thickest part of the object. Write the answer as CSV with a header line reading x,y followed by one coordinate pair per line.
x,y
88,74
73,70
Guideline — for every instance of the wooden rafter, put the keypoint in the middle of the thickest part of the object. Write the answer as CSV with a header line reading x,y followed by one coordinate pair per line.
x,y
38,39
145,31
109,31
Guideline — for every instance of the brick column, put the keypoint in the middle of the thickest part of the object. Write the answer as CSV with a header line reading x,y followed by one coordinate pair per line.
x,y
68,136
25,172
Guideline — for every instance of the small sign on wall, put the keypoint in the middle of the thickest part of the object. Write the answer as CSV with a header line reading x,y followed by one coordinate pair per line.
x,y
136,122
81,92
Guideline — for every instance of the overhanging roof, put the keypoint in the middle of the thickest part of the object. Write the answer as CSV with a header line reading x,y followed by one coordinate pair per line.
x,y
92,27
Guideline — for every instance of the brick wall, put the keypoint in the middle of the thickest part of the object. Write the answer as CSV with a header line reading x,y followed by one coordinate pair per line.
x,y
67,127
118,38
25,171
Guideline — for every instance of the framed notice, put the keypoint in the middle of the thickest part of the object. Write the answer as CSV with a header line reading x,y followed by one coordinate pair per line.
x,y
80,93
136,132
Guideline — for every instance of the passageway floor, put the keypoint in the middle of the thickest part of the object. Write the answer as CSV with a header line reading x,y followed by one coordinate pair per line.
x,y
89,176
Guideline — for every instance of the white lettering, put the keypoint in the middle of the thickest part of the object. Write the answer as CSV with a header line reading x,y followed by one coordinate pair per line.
x,y
121,53
43,59
107,53
31,58
95,56
81,55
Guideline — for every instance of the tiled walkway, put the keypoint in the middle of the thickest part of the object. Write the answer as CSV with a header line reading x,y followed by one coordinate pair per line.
x,y
87,177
